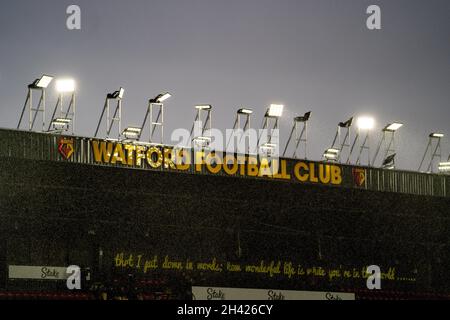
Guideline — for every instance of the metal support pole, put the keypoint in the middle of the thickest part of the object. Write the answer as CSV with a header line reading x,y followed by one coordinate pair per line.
x,y
54,112
101,118
425,154
435,155
157,122
353,146
365,145
24,108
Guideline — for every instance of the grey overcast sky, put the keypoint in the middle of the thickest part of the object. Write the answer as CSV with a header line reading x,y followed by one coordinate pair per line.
x,y
313,55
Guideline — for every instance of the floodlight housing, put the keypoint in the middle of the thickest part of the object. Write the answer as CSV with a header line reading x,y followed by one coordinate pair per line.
x,y
269,145
42,82
121,92
117,94
132,129
203,107
365,123
245,111
160,98
131,132
346,124
303,118
392,127
203,138
61,123
203,141
444,166
332,150
62,120
65,85
436,135
275,110
389,160
331,154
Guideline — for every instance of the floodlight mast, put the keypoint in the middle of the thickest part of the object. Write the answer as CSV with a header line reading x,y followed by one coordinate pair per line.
x,y
300,136
38,85
364,124
64,86
337,139
201,135
435,153
155,103
273,113
389,132
116,96
365,146
241,113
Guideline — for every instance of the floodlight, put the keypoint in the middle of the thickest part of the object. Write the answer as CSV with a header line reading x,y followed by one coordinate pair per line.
x,y
269,148
303,118
65,85
121,92
61,123
275,110
389,160
444,166
131,132
393,127
332,150
331,154
436,135
434,148
365,123
245,111
203,138
300,136
203,107
62,120
164,97
272,114
39,84
269,145
116,94
161,97
203,141
346,124
133,129
42,82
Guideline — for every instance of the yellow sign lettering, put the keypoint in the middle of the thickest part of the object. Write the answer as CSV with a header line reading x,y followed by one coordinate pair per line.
x,y
102,151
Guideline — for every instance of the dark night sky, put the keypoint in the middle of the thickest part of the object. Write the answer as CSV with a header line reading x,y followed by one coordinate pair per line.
x,y
308,54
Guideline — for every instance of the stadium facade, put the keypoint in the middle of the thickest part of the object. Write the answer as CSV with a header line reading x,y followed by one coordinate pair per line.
x,y
141,224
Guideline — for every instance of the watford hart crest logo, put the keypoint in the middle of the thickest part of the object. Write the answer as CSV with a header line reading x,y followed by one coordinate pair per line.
x,y
65,147
359,176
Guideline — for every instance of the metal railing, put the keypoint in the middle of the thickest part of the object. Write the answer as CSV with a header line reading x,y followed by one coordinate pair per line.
x,y
44,146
